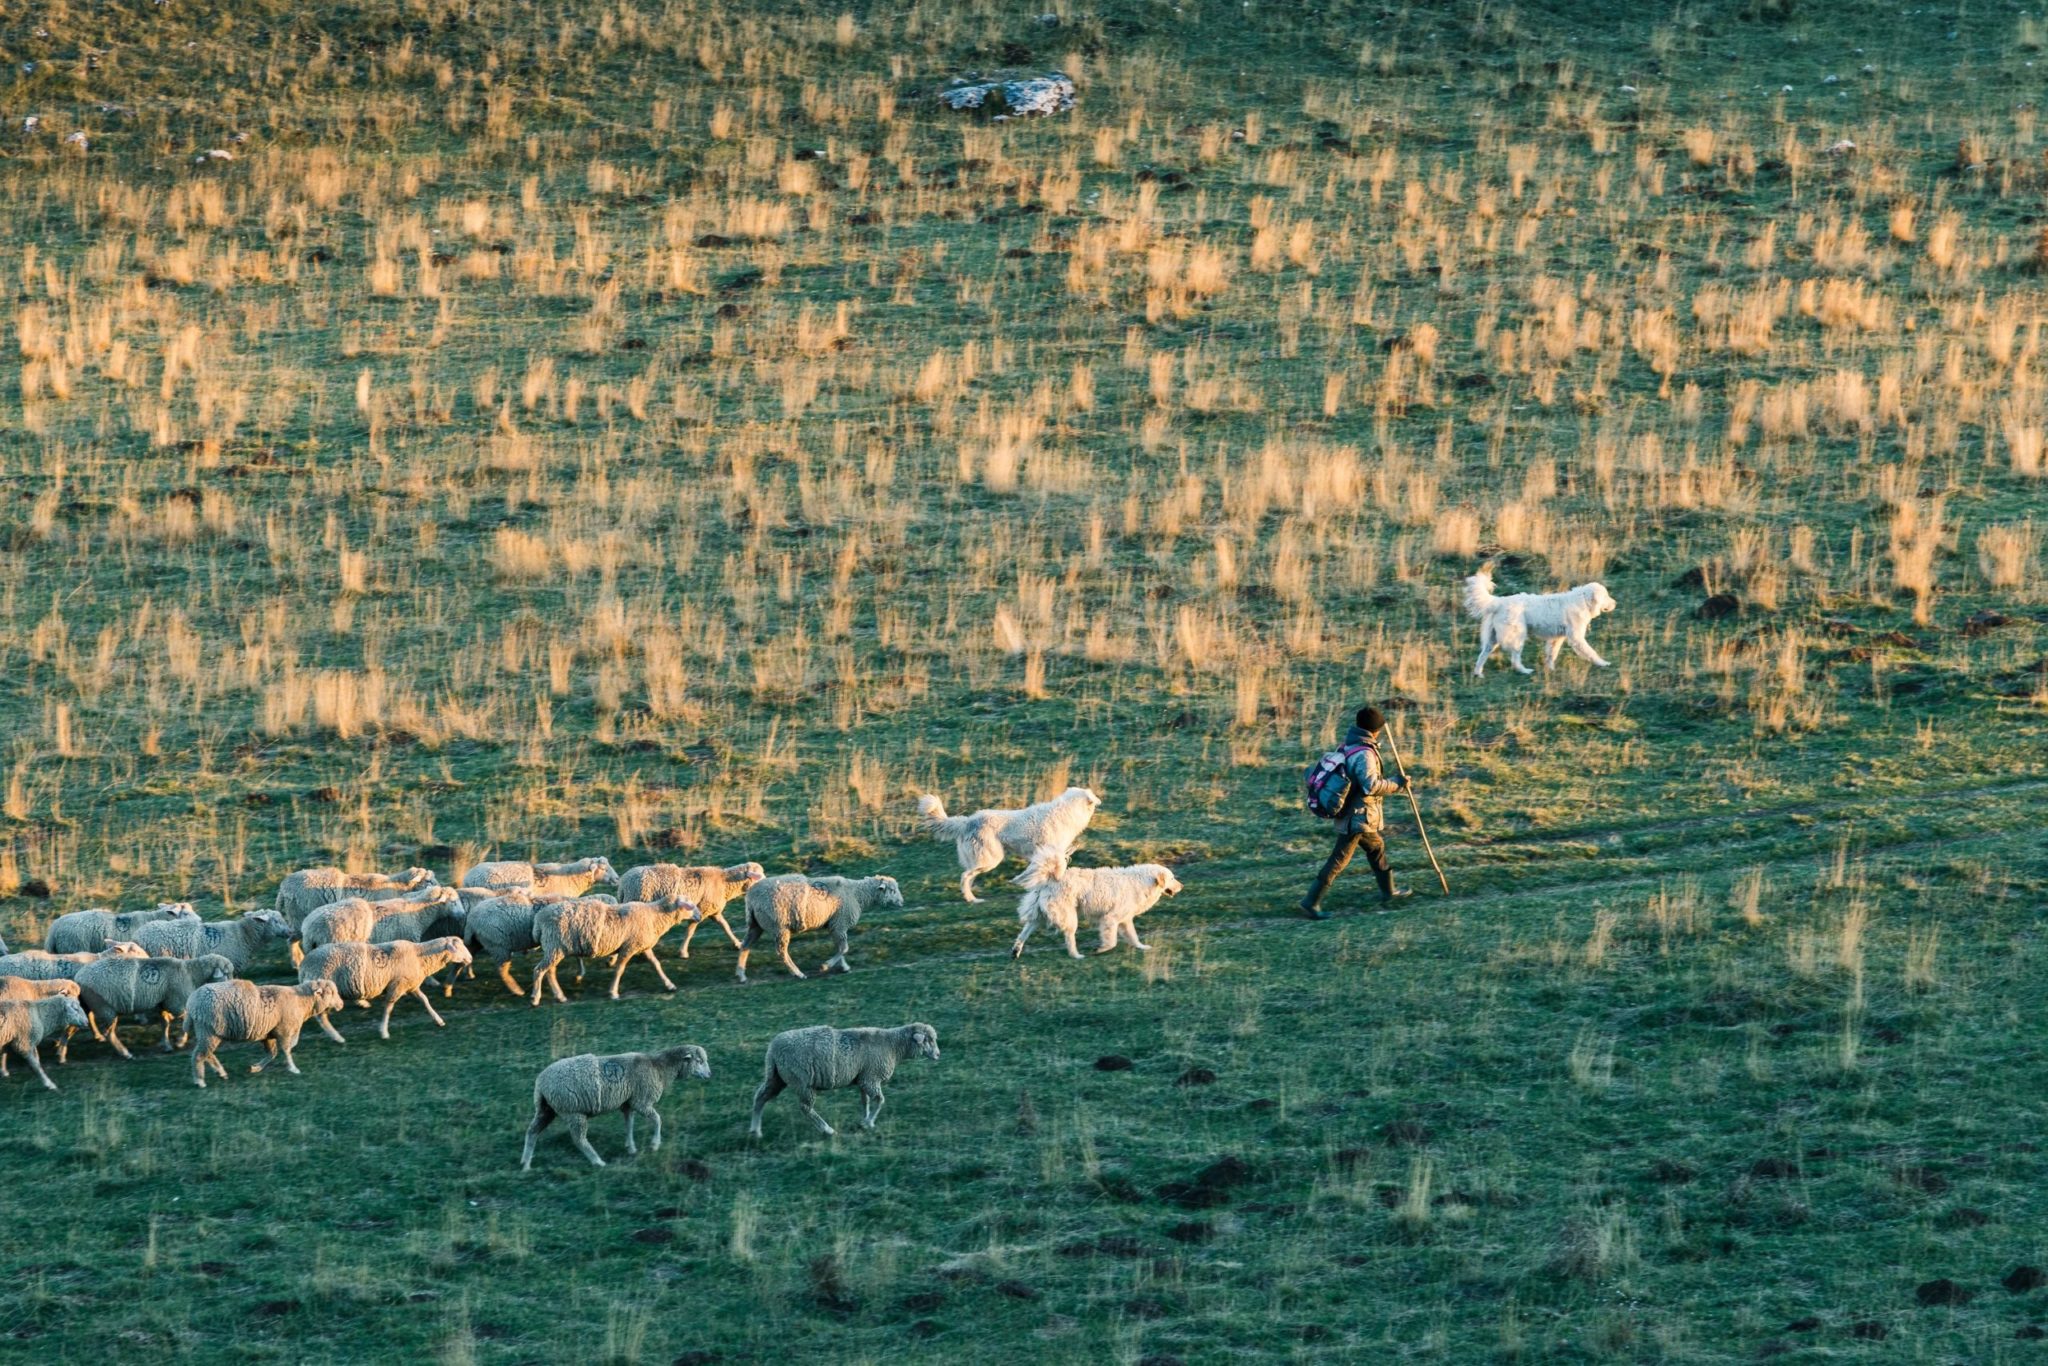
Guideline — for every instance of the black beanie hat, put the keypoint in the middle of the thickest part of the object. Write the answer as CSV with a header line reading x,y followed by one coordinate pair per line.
x,y
1370,720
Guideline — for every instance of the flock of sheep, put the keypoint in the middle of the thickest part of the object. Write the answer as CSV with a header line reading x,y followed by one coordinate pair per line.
x,y
369,937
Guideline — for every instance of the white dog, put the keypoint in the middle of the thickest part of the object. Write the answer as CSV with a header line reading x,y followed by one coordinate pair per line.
x,y
1557,619
986,837
1114,898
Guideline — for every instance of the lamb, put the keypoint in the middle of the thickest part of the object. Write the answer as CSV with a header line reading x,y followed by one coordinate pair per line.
x,y
710,888
785,905
243,1012
593,929
39,966
585,1085
239,941
307,890
362,972
822,1058
1059,896
414,916
126,986
984,838
563,879
89,931
25,1024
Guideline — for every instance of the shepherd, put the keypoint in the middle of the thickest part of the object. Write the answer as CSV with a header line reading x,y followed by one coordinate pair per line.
x,y
1347,785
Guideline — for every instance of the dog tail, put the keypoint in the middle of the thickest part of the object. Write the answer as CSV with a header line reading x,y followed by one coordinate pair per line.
x,y
1479,595
937,823
1046,866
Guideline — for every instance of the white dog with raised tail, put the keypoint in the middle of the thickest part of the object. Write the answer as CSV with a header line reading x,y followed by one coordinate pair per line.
x,y
1557,619
985,838
1060,898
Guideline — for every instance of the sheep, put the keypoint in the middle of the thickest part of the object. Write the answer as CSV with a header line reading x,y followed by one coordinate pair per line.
x,y
593,929
307,890
822,1058
785,905
29,989
1059,896
126,986
362,972
89,931
38,966
564,879
414,916
500,926
710,888
984,838
25,1024
243,1012
577,1088
239,941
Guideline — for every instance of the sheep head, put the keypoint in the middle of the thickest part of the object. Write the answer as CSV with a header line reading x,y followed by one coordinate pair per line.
x,y
683,1056
123,948
416,878
602,866
745,875
891,894
457,951
211,967
74,1013
176,910
927,1040
324,994
678,904
276,923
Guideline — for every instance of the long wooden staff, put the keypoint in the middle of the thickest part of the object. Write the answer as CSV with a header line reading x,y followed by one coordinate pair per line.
x,y
1408,787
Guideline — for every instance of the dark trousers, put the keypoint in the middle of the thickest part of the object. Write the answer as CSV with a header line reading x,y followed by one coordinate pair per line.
x,y
1375,850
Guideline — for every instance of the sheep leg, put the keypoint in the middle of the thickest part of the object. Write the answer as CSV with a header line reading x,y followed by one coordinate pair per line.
x,y
544,974
654,1144
390,1001
782,946
543,1115
839,954
719,916
113,1036
505,976
871,1104
655,963
285,1046
747,947
3,1064
803,1100
167,1046
689,933
28,1050
269,1056
298,957
202,1050
579,1134
327,1027
619,972
771,1087
632,1149
432,1014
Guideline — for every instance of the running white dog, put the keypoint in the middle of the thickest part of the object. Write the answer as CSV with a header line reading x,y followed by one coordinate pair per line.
x,y
985,838
1114,898
1557,619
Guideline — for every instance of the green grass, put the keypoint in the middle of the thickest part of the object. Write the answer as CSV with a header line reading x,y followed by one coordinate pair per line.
x,y
477,462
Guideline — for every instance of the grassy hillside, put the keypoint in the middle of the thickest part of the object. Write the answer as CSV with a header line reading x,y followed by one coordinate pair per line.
x,y
555,429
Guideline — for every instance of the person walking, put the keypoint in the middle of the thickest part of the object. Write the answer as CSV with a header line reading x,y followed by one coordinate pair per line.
x,y
1360,821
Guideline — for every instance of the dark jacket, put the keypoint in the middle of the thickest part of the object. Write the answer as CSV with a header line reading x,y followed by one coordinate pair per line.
x,y
1361,810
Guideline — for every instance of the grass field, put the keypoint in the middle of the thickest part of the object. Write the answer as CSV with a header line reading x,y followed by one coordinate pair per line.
x,y
664,432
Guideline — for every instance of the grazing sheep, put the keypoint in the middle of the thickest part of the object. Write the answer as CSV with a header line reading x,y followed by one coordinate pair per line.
x,y
822,1058
710,888
789,904
984,838
131,986
363,972
585,1085
239,941
593,929
563,879
90,931
243,1012
415,916
1059,896
25,1024
307,890
39,966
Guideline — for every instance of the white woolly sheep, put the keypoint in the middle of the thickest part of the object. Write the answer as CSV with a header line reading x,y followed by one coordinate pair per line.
x,y
29,989
363,972
562,879
822,1058
1112,898
145,986
25,1024
981,840
243,1012
577,1088
415,916
711,888
90,931
593,929
39,966
501,927
307,890
239,941
789,904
